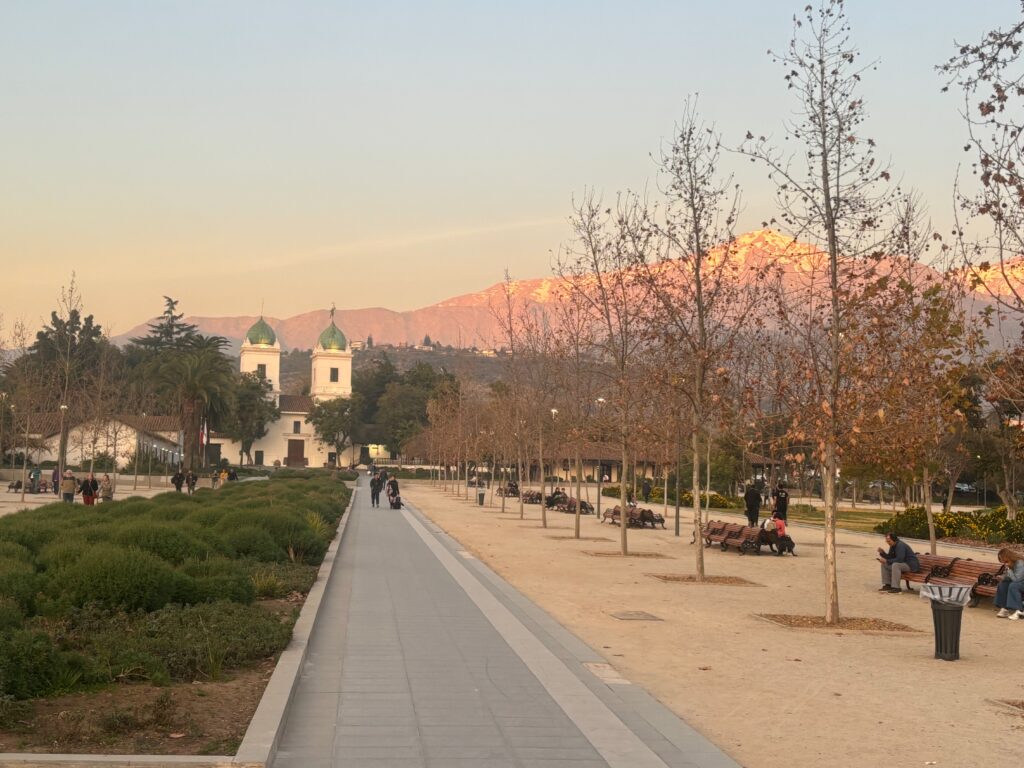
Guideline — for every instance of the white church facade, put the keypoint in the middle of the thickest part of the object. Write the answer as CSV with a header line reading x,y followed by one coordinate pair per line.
x,y
290,440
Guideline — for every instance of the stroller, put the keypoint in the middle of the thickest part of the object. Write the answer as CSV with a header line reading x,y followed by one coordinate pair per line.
x,y
396,502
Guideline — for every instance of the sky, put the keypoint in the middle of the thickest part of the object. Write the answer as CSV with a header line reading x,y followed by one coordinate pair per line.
x,y
238,155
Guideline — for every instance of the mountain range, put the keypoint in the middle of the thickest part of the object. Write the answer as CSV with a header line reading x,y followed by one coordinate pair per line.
x,y
470,320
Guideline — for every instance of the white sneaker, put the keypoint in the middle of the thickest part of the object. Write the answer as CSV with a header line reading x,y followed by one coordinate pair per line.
x,y
1002,614
1016,616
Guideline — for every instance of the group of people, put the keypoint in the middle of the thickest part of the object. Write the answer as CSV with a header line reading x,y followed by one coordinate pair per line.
x,y
381,482
89,488
186,479
773,528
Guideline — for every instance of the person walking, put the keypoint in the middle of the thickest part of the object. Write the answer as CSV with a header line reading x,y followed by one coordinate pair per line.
x,y
55,481
1010,592
178,480
752,501
89,488
68,487
780,499
190,482
898,560
375,484
645,490
106,489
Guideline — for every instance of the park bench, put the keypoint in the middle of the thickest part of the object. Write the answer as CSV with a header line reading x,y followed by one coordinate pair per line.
x,y
638,518
982,577
509,491
744,537
569,506
532,497
931,565
14,487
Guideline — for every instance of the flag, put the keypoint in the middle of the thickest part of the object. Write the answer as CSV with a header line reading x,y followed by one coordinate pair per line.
x,y
202,435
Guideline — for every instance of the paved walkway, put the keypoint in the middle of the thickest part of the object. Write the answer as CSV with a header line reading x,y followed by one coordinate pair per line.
x,y
423,657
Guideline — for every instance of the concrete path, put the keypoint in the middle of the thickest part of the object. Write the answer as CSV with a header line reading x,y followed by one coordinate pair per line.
x,y
423,657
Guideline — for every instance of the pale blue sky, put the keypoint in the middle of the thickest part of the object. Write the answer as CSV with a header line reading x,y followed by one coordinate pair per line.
x,y
389,153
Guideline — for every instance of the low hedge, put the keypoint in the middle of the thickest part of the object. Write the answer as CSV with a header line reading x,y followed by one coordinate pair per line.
x,y
159,588
988,525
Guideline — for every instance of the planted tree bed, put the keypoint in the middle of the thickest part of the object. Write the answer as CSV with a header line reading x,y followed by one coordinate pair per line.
x,y
850,623
152,625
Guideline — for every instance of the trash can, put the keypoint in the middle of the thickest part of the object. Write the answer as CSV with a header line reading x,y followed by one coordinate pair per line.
x,y
947,614
480,493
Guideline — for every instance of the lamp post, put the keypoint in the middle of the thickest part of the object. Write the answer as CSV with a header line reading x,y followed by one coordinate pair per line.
x,y
61,444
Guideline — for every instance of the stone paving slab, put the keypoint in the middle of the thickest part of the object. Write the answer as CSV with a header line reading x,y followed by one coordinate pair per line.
x,y
421,659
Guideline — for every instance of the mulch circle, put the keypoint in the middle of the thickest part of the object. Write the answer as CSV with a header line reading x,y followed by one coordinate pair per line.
x,y
651,555
846,623
581,538
689,578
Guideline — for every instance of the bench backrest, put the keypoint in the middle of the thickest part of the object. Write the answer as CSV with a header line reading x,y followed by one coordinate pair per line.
x,y
972,570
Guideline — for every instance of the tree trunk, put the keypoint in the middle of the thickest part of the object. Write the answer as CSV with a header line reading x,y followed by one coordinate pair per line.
x,y
950,489
926,492
579,491
698,528
624,517
679,471
543,501
831,575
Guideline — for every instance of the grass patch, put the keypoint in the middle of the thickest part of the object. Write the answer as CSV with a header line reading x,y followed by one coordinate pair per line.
x,y
862,520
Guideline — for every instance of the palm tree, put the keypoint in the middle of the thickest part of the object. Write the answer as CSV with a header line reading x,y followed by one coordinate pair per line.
x,y
199,380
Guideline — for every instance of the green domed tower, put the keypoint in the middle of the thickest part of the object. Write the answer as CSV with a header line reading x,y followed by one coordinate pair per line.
x,y
261,334
332,364
261,353
332,339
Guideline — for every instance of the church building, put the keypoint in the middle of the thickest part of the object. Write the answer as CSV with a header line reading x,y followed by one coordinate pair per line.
x,y
290,441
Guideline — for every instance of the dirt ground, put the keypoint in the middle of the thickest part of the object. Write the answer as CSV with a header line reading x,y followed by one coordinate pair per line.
x,y
839,697
201,718
207,717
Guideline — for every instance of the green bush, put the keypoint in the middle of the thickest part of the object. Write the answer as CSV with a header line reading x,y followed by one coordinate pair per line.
x,y
165,540
62,552
988,525
292,577
11,616
250,541
18,581
218,578
120,578
31,666
286,527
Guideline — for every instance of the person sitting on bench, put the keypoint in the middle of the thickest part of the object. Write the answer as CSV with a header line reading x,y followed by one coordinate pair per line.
x,y
1010,592
898,560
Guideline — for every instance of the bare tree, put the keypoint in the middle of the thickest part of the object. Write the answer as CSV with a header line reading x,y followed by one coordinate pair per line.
x,y
603,266
706,295
833,194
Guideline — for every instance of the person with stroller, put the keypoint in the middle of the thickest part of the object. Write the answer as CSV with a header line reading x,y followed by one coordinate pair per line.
x,y
393,497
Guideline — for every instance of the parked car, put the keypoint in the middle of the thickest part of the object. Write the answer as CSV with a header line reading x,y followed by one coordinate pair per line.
x,y
965,488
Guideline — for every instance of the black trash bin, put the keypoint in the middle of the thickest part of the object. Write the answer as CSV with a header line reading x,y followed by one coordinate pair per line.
x,y
947,619
480,493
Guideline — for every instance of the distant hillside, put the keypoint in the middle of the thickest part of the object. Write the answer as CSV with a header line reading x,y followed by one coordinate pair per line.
x,y
469,321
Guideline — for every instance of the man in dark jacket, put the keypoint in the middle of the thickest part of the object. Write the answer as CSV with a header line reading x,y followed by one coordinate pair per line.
x,y
752,500
898,560
375,486
781,498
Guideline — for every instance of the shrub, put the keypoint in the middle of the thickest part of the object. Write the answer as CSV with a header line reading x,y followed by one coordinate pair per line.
x,y
62,552
218,578
165,540
18,582
31,665
13,551
120,578
11,615
293,577
266,584
989,525
250,541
